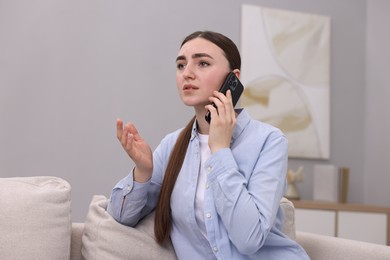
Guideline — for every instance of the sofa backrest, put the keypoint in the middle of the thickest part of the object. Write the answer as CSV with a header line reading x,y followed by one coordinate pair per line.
x,y
35,223
35,218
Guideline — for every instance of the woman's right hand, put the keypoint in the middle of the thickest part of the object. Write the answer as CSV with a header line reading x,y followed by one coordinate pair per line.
x,y
138,150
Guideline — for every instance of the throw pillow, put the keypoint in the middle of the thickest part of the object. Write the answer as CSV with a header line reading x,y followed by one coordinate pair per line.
x,y
105,238
35,221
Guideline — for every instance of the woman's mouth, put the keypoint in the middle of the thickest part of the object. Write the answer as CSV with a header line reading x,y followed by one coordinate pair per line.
x,y
188,87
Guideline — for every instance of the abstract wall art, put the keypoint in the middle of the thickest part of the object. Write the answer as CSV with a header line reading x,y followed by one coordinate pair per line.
x,y
286,74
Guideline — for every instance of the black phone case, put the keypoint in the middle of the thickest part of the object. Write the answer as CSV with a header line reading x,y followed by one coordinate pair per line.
x,y
236,88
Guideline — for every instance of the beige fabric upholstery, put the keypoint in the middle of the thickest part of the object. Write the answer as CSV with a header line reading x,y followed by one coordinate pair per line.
x,y
35,219
76,241
105,238
289,218
35,224
321,247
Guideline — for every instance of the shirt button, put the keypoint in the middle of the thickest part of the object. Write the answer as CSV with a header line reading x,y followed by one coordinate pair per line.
x,y
207,186
208,215
209,169
128,188
215,249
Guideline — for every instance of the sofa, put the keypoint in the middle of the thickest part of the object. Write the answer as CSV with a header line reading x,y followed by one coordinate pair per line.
x,y
36,223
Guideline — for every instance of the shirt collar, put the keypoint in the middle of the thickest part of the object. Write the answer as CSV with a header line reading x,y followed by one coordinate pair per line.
x,y
243,119
194,131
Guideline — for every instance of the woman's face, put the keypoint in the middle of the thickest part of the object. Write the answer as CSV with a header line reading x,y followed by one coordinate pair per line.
x,y
201,68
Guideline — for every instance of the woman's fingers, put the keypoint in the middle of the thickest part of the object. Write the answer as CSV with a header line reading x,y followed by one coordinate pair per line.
x,y
125,133
224,107
230,109
132,130
121,133
119,128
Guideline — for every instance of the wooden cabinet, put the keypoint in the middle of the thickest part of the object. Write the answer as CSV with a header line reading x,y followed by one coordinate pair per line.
x,y
352,221
316,221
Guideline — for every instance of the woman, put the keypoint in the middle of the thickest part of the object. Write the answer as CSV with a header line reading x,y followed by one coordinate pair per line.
x,y
215,187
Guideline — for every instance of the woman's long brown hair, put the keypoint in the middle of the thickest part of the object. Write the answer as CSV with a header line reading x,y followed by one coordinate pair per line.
x,y
162,221
163,217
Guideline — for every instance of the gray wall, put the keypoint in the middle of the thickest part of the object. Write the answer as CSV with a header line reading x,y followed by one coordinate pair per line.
x,y
377,94
68,69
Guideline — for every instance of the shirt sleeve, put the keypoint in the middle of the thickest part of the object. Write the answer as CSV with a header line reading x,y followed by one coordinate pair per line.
x,y
247,203
130,201
126,208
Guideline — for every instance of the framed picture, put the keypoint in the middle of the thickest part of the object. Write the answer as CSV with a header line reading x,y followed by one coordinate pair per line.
x,y
286,74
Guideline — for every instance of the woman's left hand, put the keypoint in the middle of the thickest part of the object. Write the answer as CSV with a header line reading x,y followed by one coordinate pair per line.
x,y
223,121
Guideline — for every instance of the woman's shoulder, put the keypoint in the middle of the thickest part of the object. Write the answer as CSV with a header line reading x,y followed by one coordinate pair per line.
x,y
259,126
171,137
263,126
265,133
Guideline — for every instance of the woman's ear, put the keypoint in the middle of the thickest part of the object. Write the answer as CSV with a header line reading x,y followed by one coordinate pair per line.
x,y
237,72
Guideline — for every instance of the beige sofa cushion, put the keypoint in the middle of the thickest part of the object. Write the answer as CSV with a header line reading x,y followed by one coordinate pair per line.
x,y
35,221
105,238
320,247
289,218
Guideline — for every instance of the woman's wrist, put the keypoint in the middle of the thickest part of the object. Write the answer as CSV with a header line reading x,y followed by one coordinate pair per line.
x,y
140,176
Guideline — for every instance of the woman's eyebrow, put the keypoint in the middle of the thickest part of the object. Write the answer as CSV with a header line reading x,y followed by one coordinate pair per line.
x,y
194,56
181,57
201,55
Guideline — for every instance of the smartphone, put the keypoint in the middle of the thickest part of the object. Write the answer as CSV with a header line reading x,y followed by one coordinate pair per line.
x,y
236,88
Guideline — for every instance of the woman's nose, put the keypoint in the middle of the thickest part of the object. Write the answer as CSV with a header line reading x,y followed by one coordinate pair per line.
x,y
188,72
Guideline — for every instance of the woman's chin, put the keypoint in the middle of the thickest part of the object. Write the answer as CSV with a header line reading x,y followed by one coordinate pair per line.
x,y
193,103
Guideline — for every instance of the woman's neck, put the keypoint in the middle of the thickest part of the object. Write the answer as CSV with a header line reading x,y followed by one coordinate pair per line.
x,y
203,126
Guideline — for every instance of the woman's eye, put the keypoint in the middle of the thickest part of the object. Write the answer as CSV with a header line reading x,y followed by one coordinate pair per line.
x,y
180,66
203,64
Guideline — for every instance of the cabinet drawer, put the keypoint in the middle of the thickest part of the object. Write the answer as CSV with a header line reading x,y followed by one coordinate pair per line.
x,y
316,221
363,226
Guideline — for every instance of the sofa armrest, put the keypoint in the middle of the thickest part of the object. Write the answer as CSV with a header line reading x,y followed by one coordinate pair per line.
x,y
327,247
76,242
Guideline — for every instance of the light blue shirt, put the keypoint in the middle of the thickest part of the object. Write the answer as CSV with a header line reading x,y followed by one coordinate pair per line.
x,y
245,184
